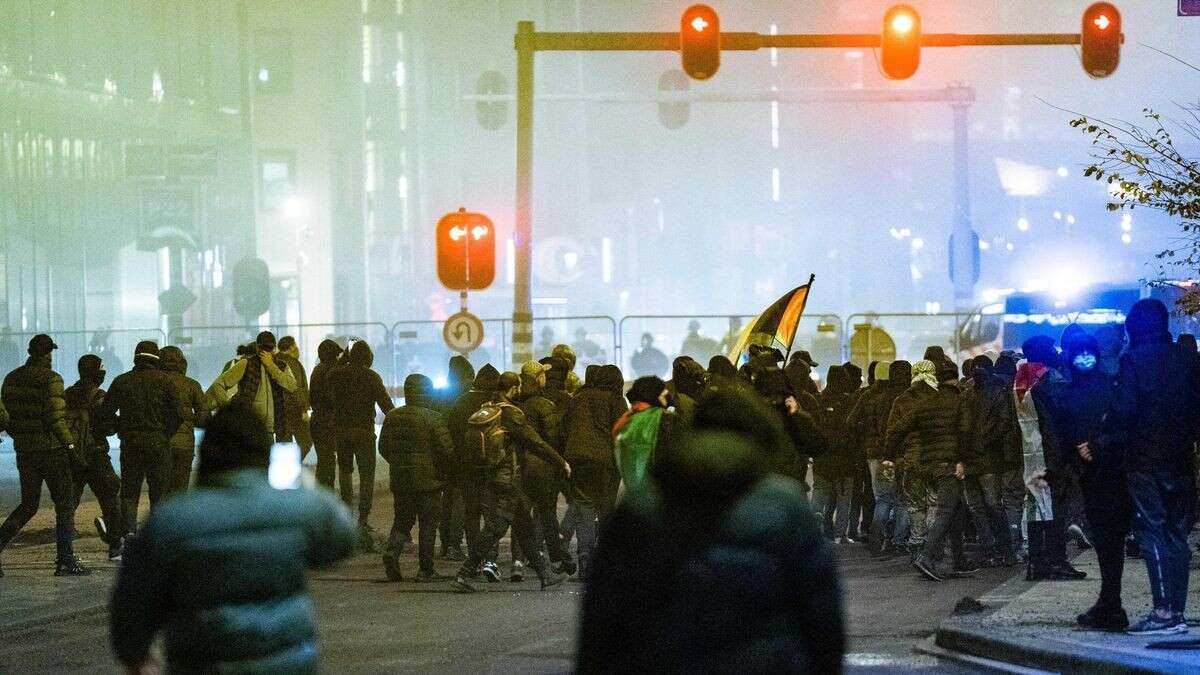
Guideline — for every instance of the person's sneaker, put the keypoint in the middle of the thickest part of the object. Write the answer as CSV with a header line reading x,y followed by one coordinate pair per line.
x,y
926,567
1105,619
462,585
391,567
553,579
490,572
71,566
518,572
568,567
1081,539
366,538
1153,624
101,528
1064,572
116,551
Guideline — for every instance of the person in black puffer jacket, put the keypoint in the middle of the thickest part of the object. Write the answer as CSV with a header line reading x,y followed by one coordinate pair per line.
x,y
193,411
220,570
416,444
322,424
1157,410
833,472
142,408
542,480
45,450
94,469
719,565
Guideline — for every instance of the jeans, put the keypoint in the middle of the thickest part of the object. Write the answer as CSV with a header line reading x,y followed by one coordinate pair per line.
x,y
832,496
450,522
52,467
504,506
916,505
591,482
1162,503
890,520
357,446
942,492
985,510
1011,486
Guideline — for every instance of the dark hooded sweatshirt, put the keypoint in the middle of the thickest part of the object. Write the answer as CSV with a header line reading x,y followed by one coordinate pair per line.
x,y
193,404
142,403
320,392
414,440
357,390
587,425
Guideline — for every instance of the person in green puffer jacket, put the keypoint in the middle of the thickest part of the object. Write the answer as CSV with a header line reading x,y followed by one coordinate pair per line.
x,y
646,427
220,570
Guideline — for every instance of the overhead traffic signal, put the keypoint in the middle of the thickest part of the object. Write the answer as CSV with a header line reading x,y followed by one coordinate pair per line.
x,y
1100,39
900,42
466,251
700,41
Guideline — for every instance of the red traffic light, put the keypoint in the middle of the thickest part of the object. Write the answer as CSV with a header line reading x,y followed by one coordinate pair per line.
x,y
1100,39
466,251
700,41
900,42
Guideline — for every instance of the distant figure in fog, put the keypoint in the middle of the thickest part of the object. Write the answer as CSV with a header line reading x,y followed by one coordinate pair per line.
x,y
649,360
717,565
697,346
221,569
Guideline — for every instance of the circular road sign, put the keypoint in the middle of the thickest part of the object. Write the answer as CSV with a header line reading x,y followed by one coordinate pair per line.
x,y
463,332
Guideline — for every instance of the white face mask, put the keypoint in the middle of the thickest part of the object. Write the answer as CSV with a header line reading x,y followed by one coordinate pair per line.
x,y
1085,361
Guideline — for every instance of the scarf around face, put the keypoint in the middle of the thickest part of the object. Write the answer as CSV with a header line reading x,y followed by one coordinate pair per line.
x,y
925,371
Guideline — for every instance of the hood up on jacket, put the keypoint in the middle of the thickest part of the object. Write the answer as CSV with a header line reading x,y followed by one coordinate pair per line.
x,y
610,377
460,373
418,391
172,360
361,354
1147,321
328,351
486,379
900,374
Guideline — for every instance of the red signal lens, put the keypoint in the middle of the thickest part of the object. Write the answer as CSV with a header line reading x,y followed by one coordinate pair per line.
x,y
700,41
1100,39
900,43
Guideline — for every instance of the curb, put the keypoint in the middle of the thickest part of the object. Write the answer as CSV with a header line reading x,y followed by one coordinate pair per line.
x,y
18,626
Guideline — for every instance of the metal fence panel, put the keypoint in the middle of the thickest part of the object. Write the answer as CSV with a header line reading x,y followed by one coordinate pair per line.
x,y
114,346
594,339
912,333
419,348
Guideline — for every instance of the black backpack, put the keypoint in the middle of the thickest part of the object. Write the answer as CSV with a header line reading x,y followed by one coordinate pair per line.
x,y
487,439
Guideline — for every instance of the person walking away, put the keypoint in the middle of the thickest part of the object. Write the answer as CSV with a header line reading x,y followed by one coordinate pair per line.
x,y
94,468
295,403
143,409
193,411
416,444
460,377
466,473
1037,391
45,451
993,451
588,445
1090,444
357,392
500,438
928,417
543,480
870,417
833,476
642,431
229,593
321,424
1156,409
245,379
717,564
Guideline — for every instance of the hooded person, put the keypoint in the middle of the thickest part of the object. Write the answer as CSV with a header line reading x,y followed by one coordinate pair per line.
x,y
833,472
459,376
416,444
587,429
296,403
715,533
357,392
541,480
720,366
807,440
1157,411
321,425
463,474
686,386
641,431
143,407
93,467
193,413
869,420
862,500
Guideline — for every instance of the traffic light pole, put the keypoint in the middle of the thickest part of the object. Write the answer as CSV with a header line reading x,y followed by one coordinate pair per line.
x,y
528,42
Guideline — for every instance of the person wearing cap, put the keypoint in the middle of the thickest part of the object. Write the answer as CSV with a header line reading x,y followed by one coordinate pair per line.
x,y
45,449
142,408
244,379
504,502
94,468
542,480
193,413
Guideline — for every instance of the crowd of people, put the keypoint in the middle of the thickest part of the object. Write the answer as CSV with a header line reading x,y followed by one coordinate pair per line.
x,y
667,483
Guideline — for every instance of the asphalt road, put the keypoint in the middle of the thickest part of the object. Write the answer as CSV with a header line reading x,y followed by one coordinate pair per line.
x,y
370,626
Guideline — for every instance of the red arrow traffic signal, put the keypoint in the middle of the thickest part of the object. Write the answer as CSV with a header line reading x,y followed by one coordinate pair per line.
x,y
466,251
700,41
1100,39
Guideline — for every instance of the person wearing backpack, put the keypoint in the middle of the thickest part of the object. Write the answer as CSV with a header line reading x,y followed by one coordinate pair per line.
x,y
499,438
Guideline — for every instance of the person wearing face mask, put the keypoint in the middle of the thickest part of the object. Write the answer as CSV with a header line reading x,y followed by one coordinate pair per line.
x,y
1096,453
93,467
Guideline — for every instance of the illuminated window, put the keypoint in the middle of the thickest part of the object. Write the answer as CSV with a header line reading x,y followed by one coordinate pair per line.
x,y
276,178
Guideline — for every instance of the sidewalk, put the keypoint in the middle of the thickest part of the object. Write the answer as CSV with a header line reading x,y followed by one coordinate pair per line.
x,y
1033,625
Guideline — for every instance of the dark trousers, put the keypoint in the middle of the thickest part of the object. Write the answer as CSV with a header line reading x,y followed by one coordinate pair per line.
x,y
543,495
450,521
144,459
982,497
180,477
326,447
1106,502
102,479
590,481
411,507
52,467
942,492
357,447
504,506
1162,505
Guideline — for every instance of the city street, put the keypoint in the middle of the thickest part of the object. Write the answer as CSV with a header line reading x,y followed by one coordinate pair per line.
x,y
369,625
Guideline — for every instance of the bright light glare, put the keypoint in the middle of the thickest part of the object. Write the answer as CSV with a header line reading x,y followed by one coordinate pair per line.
x,y
479,232
699,24
902,23
1126,238
440,382
457,233
1023,224
294,207
1062,172
1102,22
